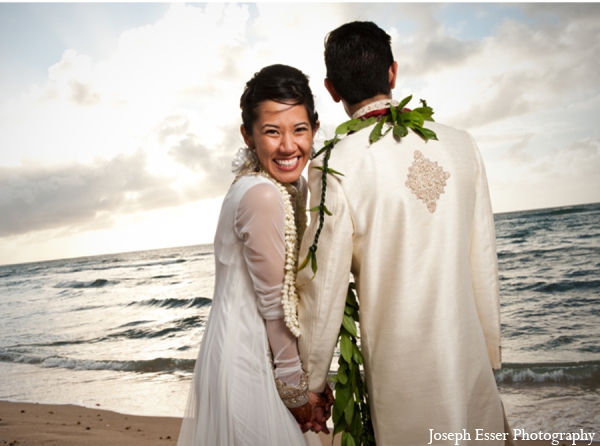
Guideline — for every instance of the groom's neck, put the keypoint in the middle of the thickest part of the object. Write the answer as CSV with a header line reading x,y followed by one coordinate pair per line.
x,y
351,109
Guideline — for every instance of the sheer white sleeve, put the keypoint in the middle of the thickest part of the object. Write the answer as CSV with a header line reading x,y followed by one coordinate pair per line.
x,y
260,222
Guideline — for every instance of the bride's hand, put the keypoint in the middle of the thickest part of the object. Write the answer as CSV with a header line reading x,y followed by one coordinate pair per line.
x,y
304,416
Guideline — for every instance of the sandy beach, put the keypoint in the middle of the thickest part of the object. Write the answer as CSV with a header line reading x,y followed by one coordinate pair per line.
x,y
30,424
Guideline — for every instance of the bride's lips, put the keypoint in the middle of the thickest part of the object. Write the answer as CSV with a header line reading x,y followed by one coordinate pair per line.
x,y
287,164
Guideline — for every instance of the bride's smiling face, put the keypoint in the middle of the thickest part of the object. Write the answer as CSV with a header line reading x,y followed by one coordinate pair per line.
x,y
282,137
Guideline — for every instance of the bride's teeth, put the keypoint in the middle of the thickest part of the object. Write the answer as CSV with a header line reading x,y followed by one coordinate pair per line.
x,y
287,163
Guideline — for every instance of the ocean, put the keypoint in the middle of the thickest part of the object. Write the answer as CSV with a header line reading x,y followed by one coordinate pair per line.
x,y
122,331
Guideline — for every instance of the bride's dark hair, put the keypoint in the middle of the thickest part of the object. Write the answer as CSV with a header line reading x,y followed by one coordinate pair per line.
x,y
279,83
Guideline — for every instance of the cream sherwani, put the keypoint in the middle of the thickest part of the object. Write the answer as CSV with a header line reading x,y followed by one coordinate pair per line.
x,y
412,222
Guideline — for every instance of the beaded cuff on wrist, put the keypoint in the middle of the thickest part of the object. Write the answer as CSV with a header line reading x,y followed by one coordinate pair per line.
x,y
293,396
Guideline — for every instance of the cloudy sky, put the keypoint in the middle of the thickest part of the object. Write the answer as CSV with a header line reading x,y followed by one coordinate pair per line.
x,y
118,121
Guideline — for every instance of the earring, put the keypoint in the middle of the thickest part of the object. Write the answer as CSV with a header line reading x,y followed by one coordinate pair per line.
x,y
313,152
254,159
245,158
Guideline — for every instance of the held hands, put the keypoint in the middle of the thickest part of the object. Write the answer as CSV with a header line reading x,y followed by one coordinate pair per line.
x,y
323,411
315,413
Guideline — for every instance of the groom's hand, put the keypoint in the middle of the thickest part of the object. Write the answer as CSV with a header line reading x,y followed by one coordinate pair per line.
x,y
323,410
329,400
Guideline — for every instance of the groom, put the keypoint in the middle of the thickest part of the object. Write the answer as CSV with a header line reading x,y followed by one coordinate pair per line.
x,y
412,222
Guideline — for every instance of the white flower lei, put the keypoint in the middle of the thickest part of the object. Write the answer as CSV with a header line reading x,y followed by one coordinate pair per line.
x,y
245,163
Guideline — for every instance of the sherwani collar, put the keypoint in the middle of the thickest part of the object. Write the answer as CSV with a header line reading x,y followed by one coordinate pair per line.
x,y
382,104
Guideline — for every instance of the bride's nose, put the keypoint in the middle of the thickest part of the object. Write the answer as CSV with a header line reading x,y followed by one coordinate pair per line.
x,y
287,143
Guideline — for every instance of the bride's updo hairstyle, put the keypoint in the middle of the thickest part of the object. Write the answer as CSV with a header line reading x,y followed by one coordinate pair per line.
x,y
279,83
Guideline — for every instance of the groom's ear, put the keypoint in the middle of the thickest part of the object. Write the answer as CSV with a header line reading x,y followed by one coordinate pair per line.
x,y
332,91
393,74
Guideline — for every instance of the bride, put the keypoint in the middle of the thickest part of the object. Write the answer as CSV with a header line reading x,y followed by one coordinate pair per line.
x,y
249,387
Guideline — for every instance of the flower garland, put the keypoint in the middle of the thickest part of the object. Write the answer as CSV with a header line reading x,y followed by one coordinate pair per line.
x,y
246,164
289,294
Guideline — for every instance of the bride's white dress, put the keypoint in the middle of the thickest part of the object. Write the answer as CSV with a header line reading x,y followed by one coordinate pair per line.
x,y
233,399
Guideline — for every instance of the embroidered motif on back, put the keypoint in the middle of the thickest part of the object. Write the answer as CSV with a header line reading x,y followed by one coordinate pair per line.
x,y
426,180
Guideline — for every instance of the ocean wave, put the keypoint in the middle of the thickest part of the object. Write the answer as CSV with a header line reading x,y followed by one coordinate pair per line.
x,y
566,210
95,268
134,323
575,342
62,343
96,264
586,373
518,234
164,276
588,347
85,307
575,301
98,283
159,263
172,302
547,212
533,255
569,285
17,283
581,273
118,264
157,365
556,286
591,235
177,326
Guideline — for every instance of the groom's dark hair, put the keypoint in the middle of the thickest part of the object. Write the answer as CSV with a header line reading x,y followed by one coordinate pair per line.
x,y
358,56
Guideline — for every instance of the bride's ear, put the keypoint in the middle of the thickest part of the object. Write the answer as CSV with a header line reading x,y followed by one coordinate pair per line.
x,y
247,138
316,128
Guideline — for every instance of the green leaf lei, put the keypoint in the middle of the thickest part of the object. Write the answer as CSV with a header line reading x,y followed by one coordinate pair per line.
x,y
351,413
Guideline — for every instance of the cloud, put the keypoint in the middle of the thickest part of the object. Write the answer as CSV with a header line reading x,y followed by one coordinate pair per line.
x,y
429,45
83,94
578,160
534,61
566,11
564,175
215,164
175,124
35,197
424,56
516,153
79,196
